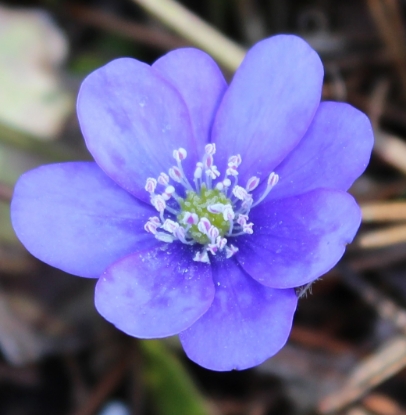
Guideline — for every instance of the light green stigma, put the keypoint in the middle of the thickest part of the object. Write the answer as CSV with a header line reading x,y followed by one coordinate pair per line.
x,y
198,204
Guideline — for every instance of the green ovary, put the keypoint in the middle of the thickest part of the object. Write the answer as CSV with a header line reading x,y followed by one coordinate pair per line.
x,y
198,203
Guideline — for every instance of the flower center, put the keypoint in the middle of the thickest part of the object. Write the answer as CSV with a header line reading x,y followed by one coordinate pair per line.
x,y
201,205
214,210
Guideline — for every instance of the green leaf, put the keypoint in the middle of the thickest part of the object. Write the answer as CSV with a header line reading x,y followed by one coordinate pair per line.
x,y
171,388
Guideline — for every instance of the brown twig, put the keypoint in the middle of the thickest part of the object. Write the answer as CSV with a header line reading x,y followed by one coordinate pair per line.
x,y
382,405
383,211
6,192
389,235
387,17
131,30
384,306
372,371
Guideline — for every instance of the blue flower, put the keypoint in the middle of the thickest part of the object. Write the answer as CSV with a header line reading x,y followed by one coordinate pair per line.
x,y
207,204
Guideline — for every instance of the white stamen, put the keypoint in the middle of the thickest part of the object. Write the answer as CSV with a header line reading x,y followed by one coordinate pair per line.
x,y
242,219
204,225
246,204
150,185
213,233
231,250
247,228
216,208
198,172
158,202
240,193
228,213
179,154
219,186
234,160
232,171
151,227
210,149
190,218
170,226
154,219
163,179
227,182
213,172
164,237
221,242
202,257
272,181
175,174
252,183
170,190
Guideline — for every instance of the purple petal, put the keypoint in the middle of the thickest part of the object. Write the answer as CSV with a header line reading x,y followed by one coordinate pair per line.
x,y
333,153
269,105
132,120
155,293
247,323
73,217
201,84
298,239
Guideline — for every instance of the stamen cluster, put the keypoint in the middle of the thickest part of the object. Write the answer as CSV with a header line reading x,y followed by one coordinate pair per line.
x,y
213,211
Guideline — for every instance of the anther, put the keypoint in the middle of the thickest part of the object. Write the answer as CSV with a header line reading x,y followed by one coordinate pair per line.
x,y
240,193
202,257
231,250
190,218
163,179
242,219
179,154
204,225
247,228
234,160
252,183
232,171
210,149
170,226
208,162
164,237
221,242
272,181
175,174
158,202
212,172
198,171
150,185
213,233
216,208
170,190
228,213
151,227
155,220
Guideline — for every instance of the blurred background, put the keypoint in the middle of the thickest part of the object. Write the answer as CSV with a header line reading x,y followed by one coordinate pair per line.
x,y
347,350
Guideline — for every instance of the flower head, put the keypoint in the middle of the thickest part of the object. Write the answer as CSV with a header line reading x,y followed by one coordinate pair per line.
x,y
207,204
